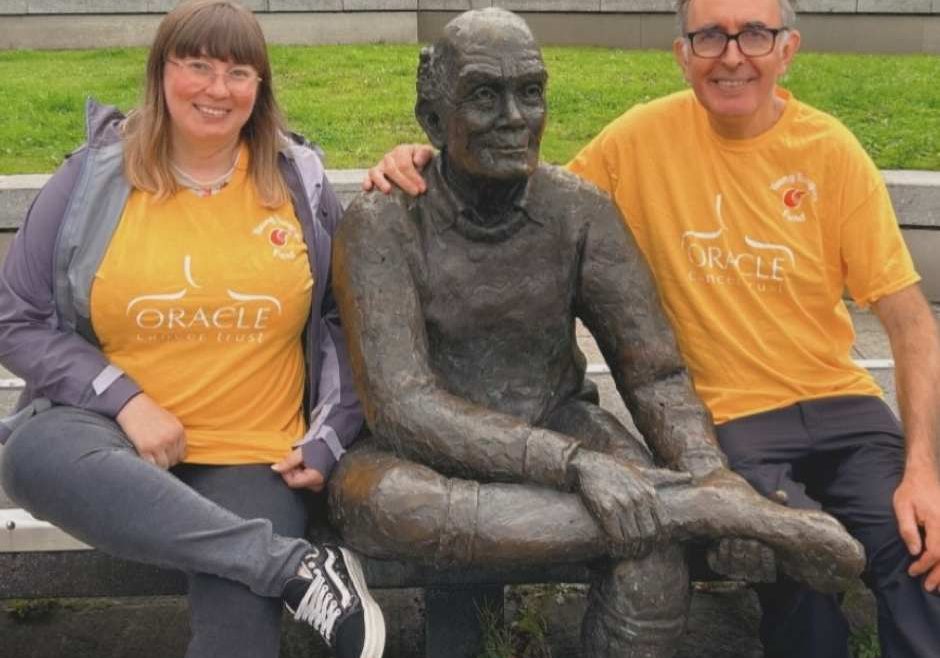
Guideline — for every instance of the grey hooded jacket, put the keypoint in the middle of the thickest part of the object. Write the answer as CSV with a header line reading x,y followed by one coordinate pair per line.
x,y
46,335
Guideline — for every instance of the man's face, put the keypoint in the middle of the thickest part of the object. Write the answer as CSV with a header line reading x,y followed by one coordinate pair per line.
x,y
737,90
495,125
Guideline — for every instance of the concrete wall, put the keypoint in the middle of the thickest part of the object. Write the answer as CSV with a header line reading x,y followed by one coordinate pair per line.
x,y
890,26
588,6
66,31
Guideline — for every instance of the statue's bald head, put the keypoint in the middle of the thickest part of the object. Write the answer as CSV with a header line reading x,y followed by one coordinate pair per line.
x,y
478,32
491,28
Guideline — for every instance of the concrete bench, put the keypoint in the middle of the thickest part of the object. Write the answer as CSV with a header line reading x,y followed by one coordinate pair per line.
x,y
31,550
453,598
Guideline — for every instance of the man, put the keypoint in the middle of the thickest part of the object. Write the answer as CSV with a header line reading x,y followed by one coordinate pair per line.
x,y
459,309
754,212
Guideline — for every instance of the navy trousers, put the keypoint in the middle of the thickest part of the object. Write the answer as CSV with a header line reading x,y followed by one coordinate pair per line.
x,y
844,455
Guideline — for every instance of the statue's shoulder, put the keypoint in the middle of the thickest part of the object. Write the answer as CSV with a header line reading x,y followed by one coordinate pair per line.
x,y
377,213
559,187
367,205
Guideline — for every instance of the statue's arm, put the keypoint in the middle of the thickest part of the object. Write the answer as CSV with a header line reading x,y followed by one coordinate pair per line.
x,y
618,302
404,404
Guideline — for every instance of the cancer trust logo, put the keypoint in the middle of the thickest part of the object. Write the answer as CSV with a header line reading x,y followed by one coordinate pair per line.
x,y
797,194
756,263
283,236
167,317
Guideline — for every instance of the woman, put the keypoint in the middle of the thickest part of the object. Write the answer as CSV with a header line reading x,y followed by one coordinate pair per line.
x,y
167,303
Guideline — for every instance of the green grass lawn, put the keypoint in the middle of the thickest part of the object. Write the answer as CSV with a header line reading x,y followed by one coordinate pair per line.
x,y
356,101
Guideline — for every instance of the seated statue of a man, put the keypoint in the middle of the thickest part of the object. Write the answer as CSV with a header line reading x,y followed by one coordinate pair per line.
x,y
488,445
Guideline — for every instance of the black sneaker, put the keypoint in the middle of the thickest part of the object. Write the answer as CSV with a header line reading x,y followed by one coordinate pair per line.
x,y
330,594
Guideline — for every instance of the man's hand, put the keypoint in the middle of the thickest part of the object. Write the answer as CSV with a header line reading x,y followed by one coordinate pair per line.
x,y
917,506
296,475
157,434
915,345
401,166
623,500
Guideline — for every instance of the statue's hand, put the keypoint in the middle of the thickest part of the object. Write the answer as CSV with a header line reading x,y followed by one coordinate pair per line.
x,y
622,499
743,559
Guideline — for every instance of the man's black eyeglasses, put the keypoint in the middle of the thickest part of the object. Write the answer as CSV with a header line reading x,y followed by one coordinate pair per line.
x,y
752,41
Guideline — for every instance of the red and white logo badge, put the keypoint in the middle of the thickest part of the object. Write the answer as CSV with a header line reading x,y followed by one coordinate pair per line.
x,y
285,238
798,195
278,237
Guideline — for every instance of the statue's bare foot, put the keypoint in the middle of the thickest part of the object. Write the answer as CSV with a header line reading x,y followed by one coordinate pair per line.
x,y
811,546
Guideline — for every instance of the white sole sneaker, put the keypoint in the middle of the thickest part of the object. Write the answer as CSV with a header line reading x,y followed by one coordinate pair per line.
x,y
374,643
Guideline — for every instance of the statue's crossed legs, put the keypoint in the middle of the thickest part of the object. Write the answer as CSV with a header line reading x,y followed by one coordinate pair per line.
x,y
386,506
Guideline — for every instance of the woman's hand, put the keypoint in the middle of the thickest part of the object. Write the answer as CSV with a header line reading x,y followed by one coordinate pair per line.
x,y
157,434
296,475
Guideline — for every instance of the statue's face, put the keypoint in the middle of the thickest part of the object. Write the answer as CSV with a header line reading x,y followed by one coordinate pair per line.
x,y
495,125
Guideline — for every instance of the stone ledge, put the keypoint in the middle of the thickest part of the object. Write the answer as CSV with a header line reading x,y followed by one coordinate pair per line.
x,y
915,194
17,192
95,574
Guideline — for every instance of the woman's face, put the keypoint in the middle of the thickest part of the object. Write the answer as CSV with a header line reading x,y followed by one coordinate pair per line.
x,y
209,100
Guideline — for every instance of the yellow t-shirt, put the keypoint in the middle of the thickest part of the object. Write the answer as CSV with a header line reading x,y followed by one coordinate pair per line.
x,y
202,301
752,242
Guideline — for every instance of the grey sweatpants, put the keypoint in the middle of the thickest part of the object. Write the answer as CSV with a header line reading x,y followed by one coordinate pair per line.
x,y
228,527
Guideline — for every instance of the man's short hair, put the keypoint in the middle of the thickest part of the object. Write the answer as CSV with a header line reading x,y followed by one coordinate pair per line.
x,y
787,14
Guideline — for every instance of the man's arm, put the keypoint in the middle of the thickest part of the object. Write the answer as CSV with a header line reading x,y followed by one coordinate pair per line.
x,y
401,167
619,304
912,331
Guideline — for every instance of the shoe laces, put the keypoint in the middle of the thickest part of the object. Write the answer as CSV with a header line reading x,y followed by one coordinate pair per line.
x,y
319,606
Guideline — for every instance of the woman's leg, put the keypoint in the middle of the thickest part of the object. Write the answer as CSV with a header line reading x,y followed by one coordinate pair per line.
x,y
78,470
228,619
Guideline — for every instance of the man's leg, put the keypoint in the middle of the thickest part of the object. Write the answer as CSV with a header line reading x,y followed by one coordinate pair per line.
x,y
227,619
797,621
857,465
79,471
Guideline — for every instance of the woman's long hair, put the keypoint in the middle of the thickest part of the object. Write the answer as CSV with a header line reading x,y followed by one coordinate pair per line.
x,y
205,28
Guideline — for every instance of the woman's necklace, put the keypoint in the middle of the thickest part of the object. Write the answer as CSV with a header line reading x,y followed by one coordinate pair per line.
x,y
201,187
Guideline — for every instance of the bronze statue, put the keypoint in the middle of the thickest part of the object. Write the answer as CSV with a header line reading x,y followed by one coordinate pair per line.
x,y
488,444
